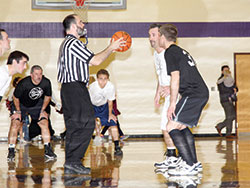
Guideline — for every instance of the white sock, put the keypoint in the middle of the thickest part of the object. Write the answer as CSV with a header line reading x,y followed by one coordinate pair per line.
x,y
12,145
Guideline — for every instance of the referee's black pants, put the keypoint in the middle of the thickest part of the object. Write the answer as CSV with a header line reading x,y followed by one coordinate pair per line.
x,y
79,120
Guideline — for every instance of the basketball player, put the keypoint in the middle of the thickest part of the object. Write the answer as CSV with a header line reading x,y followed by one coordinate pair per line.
x,y
163,89
16,63
102,94
73,72
187,81
4,42
31,96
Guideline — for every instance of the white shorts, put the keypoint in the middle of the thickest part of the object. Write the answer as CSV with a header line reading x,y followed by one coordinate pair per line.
x,y
164,119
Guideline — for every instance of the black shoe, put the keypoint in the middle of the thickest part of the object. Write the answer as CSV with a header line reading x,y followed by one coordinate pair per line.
x,y
76,169
63,135
118,151
75,180
11,154
218,130
48,152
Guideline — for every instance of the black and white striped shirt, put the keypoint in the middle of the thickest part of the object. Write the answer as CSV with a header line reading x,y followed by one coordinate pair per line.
x,y
73,61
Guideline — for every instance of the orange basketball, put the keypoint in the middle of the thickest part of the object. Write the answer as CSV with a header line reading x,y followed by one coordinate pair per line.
x,y
126,37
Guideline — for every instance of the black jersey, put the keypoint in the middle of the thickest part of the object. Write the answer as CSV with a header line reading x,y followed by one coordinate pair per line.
x,y
191,83
29,93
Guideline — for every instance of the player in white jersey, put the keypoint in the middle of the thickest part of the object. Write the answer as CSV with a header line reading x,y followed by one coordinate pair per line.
x,y
163,90
102,95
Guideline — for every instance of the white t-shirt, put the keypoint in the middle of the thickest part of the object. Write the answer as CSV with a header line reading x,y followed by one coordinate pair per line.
x,y
161,68
100,96
5,79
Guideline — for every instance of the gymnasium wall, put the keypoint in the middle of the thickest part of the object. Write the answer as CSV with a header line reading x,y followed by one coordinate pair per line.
x,y
133,71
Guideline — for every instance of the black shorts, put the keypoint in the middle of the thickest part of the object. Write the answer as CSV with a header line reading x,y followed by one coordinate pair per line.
x,y
188,110
33,111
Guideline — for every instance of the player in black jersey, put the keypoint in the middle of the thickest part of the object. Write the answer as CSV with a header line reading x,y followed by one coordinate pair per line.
x,y
184,114
31,96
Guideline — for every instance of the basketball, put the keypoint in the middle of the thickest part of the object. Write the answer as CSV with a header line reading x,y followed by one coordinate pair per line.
x,y
126,37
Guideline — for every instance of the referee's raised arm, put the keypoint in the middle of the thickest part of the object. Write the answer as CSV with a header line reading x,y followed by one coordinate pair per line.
x,y
101,56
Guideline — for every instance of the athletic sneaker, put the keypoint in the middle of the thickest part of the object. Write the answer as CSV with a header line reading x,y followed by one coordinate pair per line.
x,y
48,152
124,137
76,169
183,170
110,138
98,140
162,171
184,181
118,151
198,166
11,154
169,162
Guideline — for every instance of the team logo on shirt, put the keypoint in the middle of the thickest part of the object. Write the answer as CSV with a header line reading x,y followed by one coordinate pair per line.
x,y
191,61
36,93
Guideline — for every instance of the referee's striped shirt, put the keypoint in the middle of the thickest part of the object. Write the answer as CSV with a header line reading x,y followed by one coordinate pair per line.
x,y
73,61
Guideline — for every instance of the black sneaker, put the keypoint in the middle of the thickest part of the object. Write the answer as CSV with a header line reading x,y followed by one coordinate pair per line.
x,y
48,153
76,169
118,151
11,154
63,135
75,181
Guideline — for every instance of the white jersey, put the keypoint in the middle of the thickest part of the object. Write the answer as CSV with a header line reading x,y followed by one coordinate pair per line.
x,y
164,80
100,96
161,68
5,79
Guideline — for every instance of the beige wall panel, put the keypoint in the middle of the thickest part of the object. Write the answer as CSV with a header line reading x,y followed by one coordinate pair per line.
x,y
137,11
133,72
134,76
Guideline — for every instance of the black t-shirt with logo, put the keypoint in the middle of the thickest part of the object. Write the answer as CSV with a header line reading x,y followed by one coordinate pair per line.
x,y
191,83
29,93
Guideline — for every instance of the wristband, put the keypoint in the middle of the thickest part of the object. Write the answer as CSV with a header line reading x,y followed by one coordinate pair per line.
x,y
17,112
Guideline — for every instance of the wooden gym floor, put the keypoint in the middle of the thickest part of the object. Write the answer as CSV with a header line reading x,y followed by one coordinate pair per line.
x,y
226,163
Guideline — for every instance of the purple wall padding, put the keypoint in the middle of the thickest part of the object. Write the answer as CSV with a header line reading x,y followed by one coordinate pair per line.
x,y
135,29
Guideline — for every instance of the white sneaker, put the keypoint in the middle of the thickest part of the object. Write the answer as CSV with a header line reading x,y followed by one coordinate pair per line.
x,y
110,138
169,162
184,181
98,140
162,171
183,170
198,167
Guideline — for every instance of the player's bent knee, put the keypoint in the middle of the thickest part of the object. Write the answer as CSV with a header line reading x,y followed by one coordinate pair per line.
x,y
43,122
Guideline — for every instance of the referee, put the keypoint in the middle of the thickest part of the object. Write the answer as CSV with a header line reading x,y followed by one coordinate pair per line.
x,y
73,72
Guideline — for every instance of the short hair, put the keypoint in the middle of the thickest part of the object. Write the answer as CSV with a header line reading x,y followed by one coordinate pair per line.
x,y
224,66
1,36
102,71
155,25
16,55
169,31
67,22
15,81
35,67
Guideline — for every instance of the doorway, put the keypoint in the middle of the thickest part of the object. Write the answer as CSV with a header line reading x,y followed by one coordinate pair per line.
x,y
242,78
